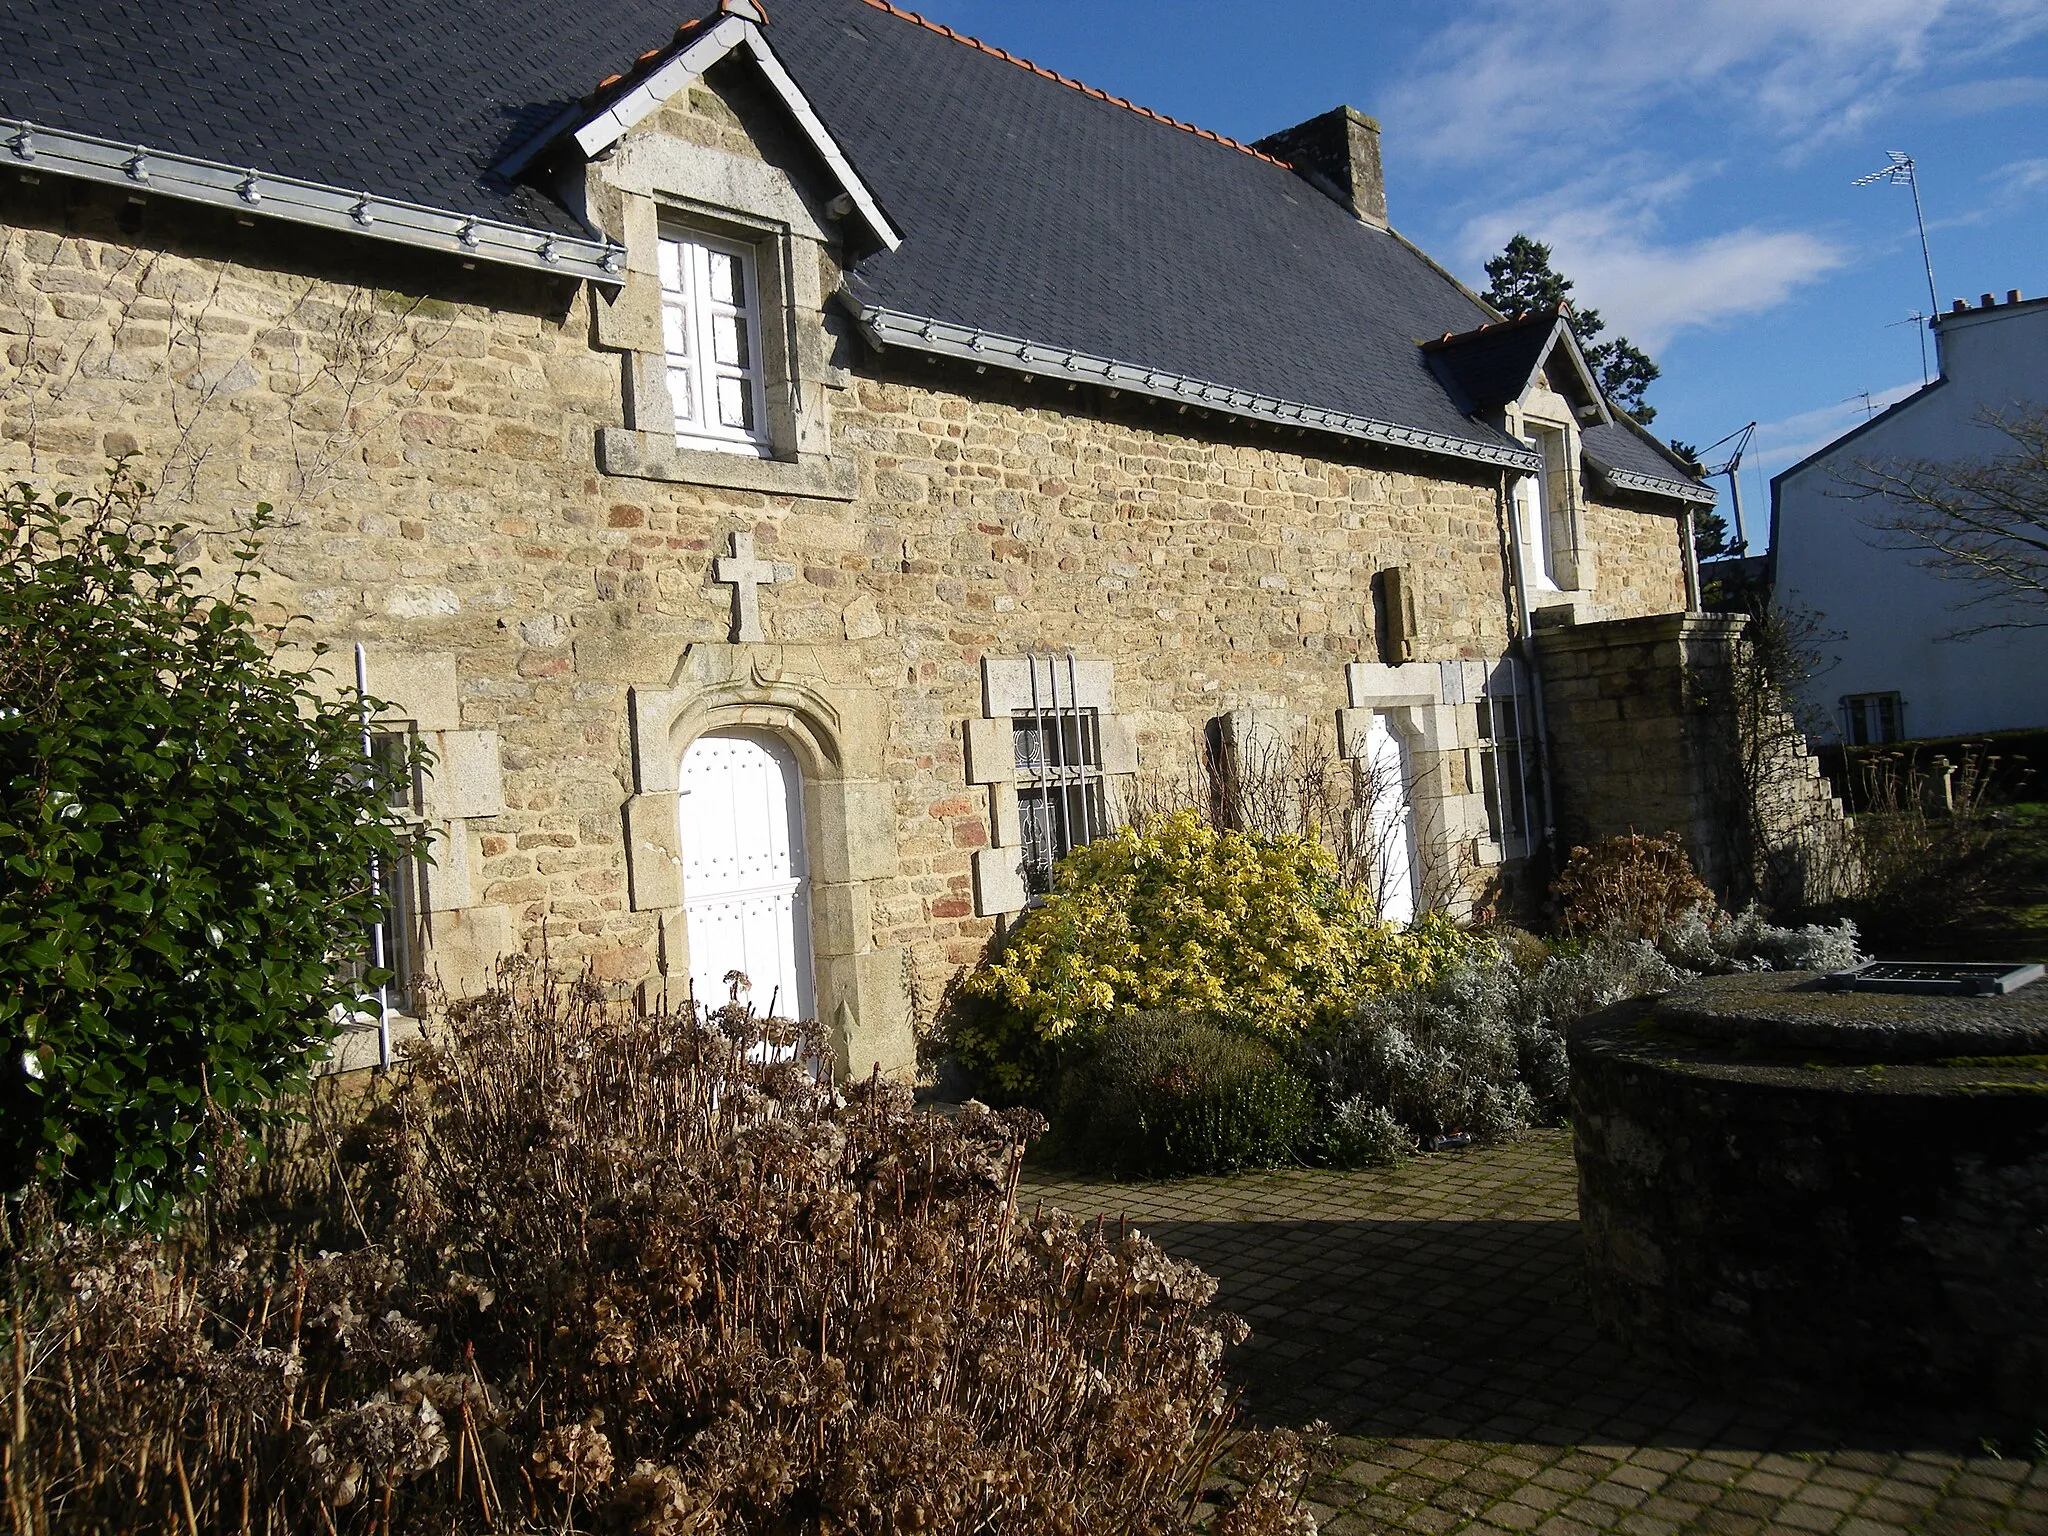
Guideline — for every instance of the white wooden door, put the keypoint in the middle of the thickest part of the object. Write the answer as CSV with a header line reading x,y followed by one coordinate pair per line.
x,y
1392,820
746,885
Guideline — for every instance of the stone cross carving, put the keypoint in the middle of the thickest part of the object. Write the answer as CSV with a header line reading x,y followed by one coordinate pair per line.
x,y
747,575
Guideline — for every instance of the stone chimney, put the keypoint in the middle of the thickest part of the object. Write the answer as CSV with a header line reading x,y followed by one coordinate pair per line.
x,y
1339,153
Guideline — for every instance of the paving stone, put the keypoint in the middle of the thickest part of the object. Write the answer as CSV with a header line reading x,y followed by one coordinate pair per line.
x,y
1806,1517
1433,1316
1770,1483
1515,1517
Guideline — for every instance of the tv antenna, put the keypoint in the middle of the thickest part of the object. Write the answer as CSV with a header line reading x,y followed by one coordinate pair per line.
x,y
1869,405
1901,173
1920,320
1731,467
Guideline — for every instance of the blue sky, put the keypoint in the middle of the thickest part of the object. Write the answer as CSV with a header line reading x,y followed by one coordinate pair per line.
x,y
1689,160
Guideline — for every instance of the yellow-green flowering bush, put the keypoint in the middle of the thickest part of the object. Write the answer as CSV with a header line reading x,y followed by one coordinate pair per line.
x,y
1255,932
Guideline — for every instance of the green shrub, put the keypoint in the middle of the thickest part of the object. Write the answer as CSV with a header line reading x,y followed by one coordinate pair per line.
x,y
185,836
1171,1093
1255,932
1361,1134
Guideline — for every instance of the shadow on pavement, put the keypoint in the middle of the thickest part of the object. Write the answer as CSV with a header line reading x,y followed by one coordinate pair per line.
x,y
1477,1329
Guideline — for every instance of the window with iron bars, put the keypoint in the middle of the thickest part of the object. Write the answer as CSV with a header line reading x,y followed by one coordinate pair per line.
x,y
1506,745
1060,800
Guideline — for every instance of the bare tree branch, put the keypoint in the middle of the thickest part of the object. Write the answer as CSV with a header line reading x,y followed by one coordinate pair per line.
x,y
1980,521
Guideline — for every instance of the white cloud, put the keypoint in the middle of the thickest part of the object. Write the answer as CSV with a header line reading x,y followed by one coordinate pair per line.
x,y
2022,175
1973,98
1779,444
1568,79
1645,287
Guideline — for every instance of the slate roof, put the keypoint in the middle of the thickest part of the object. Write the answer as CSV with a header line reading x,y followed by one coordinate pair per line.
x,y
1622,445
414,99
1030,208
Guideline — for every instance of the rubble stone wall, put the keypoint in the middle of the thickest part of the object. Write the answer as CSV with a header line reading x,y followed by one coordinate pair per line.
x,y
428,438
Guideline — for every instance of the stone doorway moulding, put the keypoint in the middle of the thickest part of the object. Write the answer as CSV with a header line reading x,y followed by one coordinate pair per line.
x,y
810,699
1424,706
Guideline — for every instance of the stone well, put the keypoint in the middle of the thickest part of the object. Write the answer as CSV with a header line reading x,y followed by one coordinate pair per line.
x,y
1838,1191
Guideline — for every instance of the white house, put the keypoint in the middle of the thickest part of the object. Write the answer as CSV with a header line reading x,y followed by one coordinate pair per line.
x,y
1907,666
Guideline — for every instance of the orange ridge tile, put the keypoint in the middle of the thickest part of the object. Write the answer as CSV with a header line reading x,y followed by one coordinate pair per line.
x,y
639,65
1086,90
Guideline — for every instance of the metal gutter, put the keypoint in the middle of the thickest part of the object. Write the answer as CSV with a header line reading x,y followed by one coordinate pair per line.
x,y
261,194
893,328
1656,485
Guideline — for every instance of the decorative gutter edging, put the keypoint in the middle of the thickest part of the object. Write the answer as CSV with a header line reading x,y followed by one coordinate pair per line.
x,y
893,328
1653,485
261,194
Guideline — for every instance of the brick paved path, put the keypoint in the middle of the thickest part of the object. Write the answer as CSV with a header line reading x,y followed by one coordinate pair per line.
x,y
1432,1315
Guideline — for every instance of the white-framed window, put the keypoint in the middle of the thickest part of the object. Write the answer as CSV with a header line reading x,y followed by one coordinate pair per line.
x,y
1543,507
1060,800
711,335
1870,718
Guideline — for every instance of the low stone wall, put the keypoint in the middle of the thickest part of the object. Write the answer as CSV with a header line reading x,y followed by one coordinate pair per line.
x,y
1831,1191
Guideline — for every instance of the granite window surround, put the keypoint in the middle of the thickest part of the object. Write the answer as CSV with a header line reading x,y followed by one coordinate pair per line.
x,y
1555,550
1030,689
653,186
460,935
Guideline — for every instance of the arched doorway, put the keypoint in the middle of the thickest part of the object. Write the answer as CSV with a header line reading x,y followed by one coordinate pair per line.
x,y
746,876
1391,818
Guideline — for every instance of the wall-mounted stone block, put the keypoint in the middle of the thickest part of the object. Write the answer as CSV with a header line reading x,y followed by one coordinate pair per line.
x,y
1007,684
853,830
842,918
1006,821
654,855
866,1002
1354,728
468,776
999,881
991,751
630,320
419,685
1119,745
450,880
464,948
1374,684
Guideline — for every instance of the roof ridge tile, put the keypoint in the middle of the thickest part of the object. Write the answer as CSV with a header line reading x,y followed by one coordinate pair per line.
x,y
1087,90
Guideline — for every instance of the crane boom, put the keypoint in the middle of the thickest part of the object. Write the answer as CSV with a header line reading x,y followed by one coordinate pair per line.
x,y
1731,467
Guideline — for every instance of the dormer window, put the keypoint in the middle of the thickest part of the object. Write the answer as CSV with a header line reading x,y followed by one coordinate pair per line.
x,y
711,334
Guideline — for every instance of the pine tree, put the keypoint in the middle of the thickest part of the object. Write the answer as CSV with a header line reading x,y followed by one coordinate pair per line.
x,y
1521,281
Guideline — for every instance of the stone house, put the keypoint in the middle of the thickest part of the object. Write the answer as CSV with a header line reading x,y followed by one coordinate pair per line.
x,y
803,474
